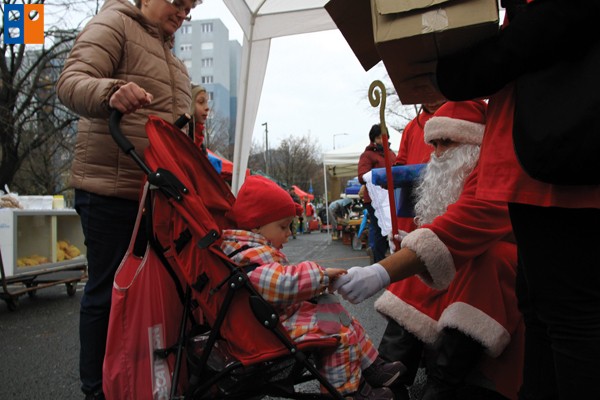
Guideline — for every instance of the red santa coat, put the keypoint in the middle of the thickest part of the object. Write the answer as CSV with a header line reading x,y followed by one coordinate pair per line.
x,y
469,285
413,150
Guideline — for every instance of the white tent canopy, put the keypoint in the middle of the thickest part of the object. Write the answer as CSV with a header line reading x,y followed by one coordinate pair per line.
x,y
262,20
343,162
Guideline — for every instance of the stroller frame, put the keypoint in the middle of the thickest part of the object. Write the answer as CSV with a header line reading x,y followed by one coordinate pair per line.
x,y
293,366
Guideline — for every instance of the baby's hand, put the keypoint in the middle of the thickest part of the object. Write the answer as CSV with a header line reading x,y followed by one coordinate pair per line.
x,y
333,274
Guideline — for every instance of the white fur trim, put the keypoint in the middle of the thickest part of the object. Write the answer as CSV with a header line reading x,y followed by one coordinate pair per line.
x,y
411,319
478,325
436,256
458,130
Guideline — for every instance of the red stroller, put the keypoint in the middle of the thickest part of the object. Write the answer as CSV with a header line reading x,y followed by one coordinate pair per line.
x,y
198,329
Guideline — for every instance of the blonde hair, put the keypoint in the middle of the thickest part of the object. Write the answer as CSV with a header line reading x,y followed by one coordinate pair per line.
x,y
196,90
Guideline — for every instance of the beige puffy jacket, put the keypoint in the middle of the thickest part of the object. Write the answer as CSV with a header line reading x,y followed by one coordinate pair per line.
x,y
117,46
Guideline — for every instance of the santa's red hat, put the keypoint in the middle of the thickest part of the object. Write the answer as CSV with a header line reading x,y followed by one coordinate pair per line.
x,y
261,201
459,121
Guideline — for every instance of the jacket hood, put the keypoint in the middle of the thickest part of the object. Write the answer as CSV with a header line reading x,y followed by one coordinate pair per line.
x,y
126,7
373,147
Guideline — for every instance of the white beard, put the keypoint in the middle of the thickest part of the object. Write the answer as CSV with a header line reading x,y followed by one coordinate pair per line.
x,y
443,181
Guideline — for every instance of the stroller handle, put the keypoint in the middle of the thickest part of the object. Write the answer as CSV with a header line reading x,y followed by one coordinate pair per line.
x,y
114,127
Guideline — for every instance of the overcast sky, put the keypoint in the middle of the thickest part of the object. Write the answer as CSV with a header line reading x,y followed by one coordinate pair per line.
x,y
314,84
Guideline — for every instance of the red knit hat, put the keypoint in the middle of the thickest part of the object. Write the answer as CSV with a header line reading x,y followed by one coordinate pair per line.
x,y
460,121
261,201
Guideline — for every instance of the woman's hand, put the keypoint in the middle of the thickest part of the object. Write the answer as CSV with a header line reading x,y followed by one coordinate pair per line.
x,y
129,98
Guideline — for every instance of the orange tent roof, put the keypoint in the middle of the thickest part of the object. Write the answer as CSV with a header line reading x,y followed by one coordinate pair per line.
x,y
302,194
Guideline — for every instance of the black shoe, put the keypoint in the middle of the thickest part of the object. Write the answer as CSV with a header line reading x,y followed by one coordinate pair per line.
x,y
95,396
382,373
366,392
453,357
398,344
400,391
435,389
472,392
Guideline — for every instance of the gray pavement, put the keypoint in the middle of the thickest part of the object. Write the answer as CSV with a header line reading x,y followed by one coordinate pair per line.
x,y
39,345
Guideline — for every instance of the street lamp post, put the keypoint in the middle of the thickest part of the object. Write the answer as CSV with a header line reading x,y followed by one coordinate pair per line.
x,y
266,125
337,134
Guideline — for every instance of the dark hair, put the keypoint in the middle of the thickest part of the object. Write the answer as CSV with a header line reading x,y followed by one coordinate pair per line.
x,y
374,132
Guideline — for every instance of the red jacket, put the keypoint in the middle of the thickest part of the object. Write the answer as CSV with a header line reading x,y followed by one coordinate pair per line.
x,y
413,149
372,157
505,179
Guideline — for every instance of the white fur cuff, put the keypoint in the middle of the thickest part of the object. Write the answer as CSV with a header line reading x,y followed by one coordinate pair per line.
x,y
405,315
436,256
477,325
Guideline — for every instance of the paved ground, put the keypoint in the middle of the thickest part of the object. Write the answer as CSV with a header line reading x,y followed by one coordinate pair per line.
x,y
39,346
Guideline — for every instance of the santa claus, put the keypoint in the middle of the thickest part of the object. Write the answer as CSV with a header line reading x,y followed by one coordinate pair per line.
x,y
453,297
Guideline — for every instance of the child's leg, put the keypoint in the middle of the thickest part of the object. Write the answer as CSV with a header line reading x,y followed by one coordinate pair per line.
x,y
368,351
375,370
342,365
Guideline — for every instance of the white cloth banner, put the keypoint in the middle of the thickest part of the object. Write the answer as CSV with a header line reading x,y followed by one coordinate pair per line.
x,y
381,204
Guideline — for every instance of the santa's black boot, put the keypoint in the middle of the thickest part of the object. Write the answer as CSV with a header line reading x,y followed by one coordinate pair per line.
x,y
453,357
397,344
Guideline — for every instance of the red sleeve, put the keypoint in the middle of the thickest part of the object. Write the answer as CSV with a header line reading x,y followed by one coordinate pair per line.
x,y
364,166
470,226
404,144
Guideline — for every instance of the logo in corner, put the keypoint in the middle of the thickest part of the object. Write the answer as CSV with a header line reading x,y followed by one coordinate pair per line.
x,y
23,24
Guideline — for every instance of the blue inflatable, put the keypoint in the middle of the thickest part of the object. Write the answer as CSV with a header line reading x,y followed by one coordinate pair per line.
x,y
405,177
216,162
363,224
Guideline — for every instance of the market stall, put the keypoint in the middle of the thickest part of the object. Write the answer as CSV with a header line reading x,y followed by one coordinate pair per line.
x,y
40,246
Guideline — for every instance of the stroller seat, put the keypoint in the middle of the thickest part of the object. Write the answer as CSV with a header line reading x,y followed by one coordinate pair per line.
x,y
230,343
225,377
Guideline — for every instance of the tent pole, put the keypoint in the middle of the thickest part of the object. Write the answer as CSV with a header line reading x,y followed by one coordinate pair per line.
x,y
326,199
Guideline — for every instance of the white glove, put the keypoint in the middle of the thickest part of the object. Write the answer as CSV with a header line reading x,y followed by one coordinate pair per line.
x,y
398,237
361,283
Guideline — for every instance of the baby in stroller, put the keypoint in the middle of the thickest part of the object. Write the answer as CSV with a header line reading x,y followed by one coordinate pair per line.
x,y
263,212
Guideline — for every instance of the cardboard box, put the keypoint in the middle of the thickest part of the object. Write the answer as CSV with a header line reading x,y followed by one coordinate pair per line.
x,y
353,19
410,35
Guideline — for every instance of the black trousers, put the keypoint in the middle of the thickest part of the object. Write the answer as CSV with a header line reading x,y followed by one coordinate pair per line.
x,y
107,224
558,287
379,242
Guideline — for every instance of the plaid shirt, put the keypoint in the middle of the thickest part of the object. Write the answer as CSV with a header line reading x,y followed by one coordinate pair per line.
x,y
289,288
285,286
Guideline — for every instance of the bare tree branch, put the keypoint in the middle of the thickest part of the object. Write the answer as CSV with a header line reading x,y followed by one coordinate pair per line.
x,y
36,131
